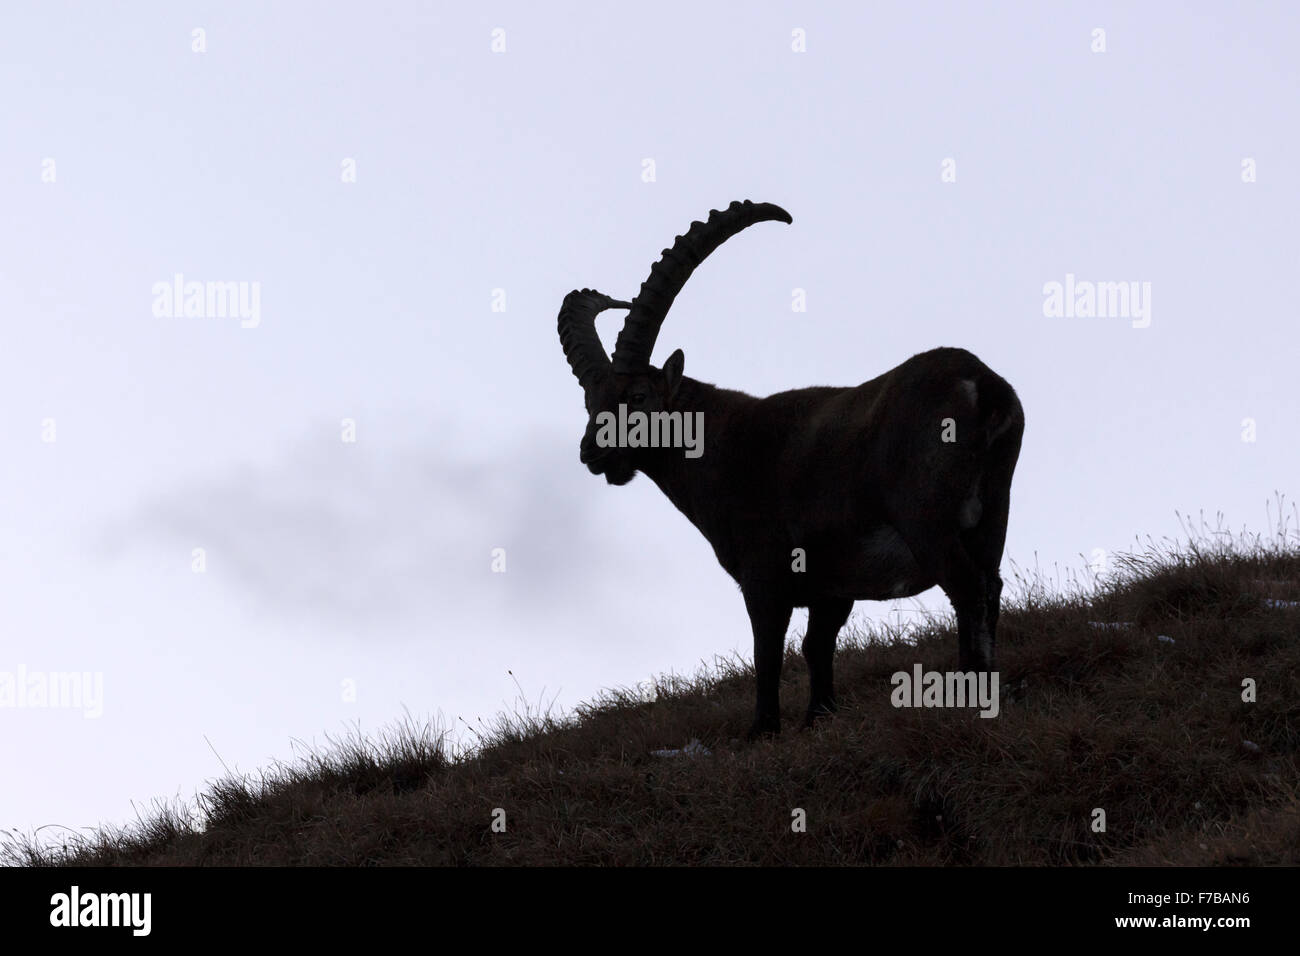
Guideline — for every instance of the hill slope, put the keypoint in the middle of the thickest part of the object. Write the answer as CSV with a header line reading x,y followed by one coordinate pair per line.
x,y
1145,721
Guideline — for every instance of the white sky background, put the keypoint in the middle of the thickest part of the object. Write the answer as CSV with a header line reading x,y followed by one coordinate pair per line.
x,y
523,171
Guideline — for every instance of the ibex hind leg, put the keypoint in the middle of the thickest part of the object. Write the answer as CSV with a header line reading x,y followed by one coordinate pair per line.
x,y
986,550
985,542
944,557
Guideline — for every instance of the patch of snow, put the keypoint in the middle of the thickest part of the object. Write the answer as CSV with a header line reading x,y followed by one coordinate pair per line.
x,y
692,749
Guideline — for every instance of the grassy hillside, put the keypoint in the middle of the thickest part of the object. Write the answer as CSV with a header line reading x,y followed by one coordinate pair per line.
x,y
1145,721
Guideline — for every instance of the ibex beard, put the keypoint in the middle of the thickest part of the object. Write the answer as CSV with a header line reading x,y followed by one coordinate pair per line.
x,y
816,497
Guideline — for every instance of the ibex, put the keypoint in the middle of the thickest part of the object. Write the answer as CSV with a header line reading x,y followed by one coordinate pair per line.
x,y
816,497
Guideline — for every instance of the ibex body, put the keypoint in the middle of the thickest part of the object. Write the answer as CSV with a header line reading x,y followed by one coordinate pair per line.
x,y
816,497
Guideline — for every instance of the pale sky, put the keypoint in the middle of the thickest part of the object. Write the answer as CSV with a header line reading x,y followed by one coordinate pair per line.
x,y
508,177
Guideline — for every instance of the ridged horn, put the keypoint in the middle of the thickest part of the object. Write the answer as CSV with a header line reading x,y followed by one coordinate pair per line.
x,y
577,328
667,276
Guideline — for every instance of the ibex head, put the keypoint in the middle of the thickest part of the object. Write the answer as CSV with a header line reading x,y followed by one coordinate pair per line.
x,y
629,379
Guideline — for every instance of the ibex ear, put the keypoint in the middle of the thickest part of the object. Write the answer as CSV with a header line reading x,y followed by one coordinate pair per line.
x,y
673,372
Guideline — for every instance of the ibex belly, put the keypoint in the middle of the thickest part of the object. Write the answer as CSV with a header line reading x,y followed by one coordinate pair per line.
x,y
875,567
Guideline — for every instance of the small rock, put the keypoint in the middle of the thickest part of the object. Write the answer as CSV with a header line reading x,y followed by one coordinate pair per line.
x,y
692,749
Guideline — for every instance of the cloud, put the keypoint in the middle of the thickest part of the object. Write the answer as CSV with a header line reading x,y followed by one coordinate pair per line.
x,y
369,533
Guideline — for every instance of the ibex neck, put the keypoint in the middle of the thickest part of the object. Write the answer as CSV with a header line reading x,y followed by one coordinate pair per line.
x,y
691,483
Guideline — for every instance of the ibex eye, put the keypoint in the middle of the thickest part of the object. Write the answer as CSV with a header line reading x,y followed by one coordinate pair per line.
x,y
638,398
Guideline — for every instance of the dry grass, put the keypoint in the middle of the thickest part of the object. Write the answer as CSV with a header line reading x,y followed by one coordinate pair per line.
x,y
1155,732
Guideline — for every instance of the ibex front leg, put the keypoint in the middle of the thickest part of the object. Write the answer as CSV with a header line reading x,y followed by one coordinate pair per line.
x,y
825,618
769,617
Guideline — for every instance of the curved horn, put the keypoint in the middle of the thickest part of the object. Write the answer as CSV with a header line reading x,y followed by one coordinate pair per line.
x,y
667,276
577,327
